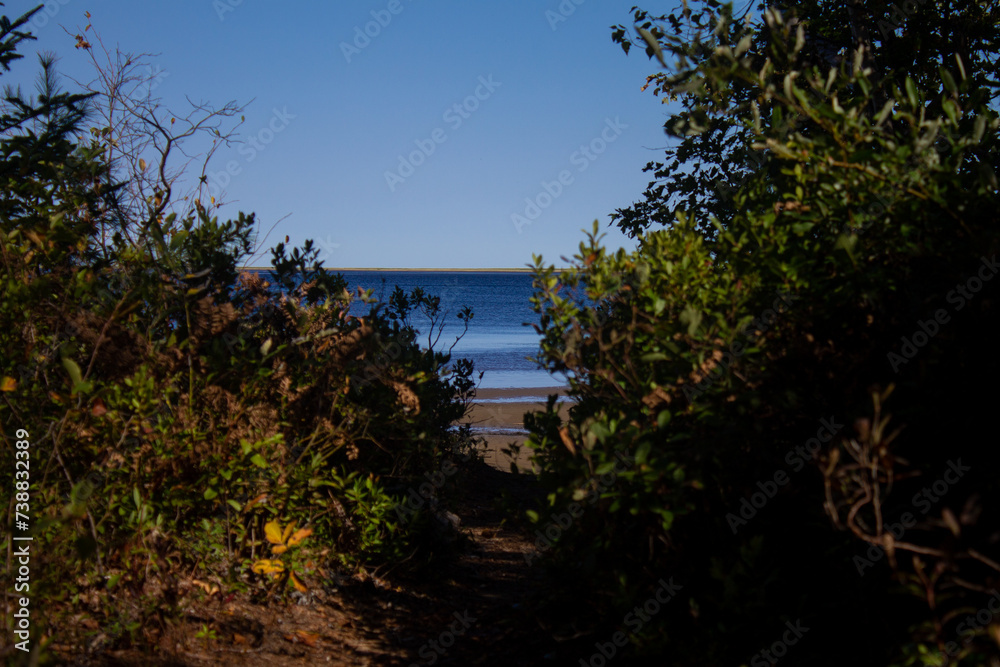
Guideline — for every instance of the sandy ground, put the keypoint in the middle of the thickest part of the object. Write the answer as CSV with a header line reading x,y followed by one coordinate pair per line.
x,y
498,417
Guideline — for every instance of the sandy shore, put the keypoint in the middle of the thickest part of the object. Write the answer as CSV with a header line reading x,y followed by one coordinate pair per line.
x,y
498,417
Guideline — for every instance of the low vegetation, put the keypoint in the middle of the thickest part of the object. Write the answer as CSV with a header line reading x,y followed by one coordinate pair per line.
x,y
193,426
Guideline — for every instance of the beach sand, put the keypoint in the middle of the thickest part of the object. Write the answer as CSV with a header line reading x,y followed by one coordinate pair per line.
x,y
497,416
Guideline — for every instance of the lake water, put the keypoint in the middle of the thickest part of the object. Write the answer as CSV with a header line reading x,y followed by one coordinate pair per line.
x,y
499,340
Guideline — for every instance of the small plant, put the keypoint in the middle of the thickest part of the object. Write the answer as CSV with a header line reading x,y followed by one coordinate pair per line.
x,y
206,633
282,539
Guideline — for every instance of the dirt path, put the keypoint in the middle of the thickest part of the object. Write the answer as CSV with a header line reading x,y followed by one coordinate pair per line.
x,y
472,612
468,610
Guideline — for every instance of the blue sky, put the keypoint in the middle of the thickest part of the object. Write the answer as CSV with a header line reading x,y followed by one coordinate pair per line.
x,y
426,145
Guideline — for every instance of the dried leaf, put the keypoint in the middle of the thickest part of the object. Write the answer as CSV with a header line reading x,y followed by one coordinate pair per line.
x,y
299,535
211,589
951,521
8,384
567,440
303,637
299,586
256,501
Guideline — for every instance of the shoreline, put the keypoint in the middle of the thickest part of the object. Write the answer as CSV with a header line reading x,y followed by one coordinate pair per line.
x,y
497,416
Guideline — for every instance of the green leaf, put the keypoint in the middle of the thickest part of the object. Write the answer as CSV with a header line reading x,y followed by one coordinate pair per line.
x,y
532,516
884,112
235,505
258,461
979,128
605,468
210,494
691,316
177,240
744,45
949,82
951,110
157,235
911,92
653,43
73,370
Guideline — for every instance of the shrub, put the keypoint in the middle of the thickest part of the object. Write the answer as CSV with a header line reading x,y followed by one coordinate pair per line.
x,y
739,357
178,409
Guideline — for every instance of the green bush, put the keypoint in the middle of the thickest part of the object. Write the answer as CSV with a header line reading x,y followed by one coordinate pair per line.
x,y
179,409
764,315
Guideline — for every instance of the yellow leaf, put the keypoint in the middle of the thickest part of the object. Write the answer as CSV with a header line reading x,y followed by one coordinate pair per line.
x,y
279,549
211,589
272,531
299,536
299,586
268,567
288,532
8,384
